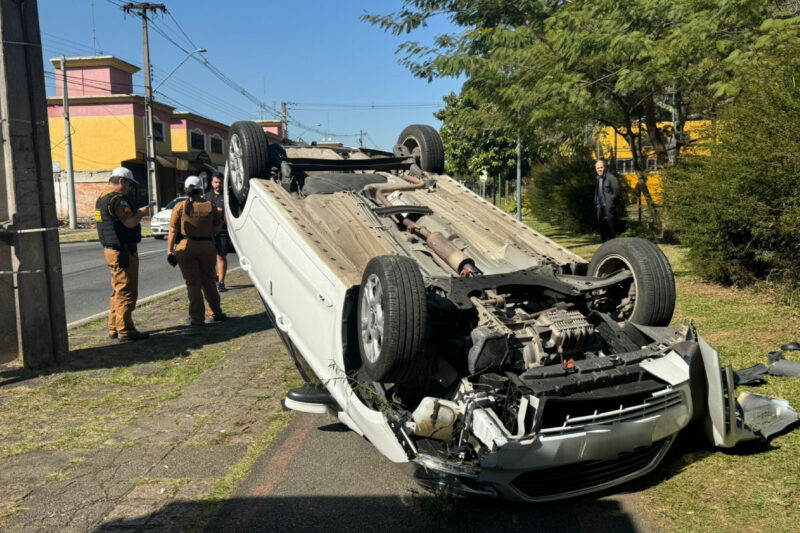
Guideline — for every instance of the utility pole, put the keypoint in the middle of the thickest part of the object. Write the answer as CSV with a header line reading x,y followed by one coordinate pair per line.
x,y
152,176
361,138
73,218
284,121
519,177
32,315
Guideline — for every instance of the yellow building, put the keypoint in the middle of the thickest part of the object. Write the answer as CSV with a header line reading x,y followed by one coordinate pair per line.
x,y
108,130
615,148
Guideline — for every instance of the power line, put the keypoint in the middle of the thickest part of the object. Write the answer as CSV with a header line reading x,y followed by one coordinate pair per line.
x,y
366,106
218,73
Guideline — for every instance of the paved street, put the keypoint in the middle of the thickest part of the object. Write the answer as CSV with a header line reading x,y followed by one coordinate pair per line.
x,y
319,476
87,283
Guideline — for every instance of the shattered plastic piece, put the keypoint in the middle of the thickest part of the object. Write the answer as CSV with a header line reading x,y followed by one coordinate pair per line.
x,y
753,375
785,368
766,416
775,356
791,347
671,368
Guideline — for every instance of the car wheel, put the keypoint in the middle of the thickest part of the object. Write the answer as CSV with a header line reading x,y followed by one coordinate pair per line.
x,y
159,237
248,157
424,143
392,315
650,299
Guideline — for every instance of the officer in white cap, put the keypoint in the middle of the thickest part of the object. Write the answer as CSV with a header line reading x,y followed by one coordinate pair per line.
x,y
197,221
119,228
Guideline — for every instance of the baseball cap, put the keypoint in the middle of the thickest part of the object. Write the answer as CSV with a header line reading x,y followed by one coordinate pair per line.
x,y
192,181
122,172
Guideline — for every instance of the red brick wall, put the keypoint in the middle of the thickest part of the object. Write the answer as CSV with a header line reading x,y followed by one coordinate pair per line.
x,y
86,196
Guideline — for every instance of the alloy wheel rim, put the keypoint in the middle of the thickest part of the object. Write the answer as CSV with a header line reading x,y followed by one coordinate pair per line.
x,y
372,318
235,160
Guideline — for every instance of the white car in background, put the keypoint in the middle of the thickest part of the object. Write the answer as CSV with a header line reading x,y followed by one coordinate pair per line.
x,y
159,224
491,360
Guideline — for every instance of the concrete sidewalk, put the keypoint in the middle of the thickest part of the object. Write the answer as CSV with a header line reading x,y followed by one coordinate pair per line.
x,y
125,431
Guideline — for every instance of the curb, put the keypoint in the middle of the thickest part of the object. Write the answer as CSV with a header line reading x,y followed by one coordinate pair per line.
x,y
143,301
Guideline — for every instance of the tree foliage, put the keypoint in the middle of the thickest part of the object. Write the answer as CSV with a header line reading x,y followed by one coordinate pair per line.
x,y
739,208
475,140
547,63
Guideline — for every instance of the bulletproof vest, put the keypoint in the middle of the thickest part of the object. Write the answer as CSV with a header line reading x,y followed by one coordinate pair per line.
x,y
198,219
111,231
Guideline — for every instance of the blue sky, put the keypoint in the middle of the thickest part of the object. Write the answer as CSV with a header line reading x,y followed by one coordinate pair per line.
x,y
317,54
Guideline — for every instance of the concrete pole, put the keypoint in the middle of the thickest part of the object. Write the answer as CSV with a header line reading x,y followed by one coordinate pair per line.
x,y
284,121
73,218
519,177
32,316
152,176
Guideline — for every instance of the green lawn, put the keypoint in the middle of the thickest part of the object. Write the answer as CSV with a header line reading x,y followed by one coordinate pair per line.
x,y
751,488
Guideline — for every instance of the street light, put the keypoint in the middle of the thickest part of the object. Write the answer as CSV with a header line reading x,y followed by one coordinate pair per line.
x,y
185,59
150,159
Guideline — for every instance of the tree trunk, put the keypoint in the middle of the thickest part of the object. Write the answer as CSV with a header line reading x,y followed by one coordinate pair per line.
x,y
651,121
641,185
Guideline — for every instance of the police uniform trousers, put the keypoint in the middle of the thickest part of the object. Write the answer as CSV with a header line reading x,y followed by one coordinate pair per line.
x,y
197,260
124,292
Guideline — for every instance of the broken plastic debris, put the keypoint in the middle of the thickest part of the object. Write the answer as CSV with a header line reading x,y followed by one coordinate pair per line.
x,y
766,416
775,356
785,368
753,375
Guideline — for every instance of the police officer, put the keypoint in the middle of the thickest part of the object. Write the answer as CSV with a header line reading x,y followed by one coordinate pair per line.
x,y
119,229
197,221
222,241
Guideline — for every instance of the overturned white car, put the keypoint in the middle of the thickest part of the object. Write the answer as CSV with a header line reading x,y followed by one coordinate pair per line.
x,y
457,339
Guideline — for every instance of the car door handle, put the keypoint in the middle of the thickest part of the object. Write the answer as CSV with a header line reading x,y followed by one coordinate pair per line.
x,y
244,263
282,323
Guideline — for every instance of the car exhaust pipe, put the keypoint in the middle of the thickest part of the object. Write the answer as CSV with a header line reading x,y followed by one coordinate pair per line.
x,y
441,245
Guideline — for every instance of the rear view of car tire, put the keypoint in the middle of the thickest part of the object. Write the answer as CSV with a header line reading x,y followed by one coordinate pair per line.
x,y
424,143
248,157
392,315
651,299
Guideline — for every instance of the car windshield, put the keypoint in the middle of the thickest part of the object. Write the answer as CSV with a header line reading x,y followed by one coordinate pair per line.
x,y
175,202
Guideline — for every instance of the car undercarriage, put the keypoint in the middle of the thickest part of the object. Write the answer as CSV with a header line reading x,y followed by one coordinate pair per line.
x,y
488,358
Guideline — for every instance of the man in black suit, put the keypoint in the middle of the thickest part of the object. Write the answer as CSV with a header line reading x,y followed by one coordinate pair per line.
x,y
605,197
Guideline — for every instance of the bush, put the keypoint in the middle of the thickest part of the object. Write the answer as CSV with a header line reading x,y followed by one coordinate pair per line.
x,y
562,193
739,208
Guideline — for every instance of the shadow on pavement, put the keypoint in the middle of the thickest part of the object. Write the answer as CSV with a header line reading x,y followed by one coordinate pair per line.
x,y
414,512
164,343
16,375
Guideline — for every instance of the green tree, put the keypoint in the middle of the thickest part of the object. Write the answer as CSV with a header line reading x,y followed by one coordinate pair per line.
x,y
739,207
476,139
554,64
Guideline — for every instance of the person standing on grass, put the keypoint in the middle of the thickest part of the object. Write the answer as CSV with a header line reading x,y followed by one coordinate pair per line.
x,y
606,192
119,229
197,221
222,241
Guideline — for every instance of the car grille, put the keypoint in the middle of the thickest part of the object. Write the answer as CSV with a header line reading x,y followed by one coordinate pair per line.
x,y
567,415
581,477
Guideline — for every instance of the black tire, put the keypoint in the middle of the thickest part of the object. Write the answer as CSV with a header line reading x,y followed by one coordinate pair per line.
x,y
392,318
653,296
425,144
248,157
